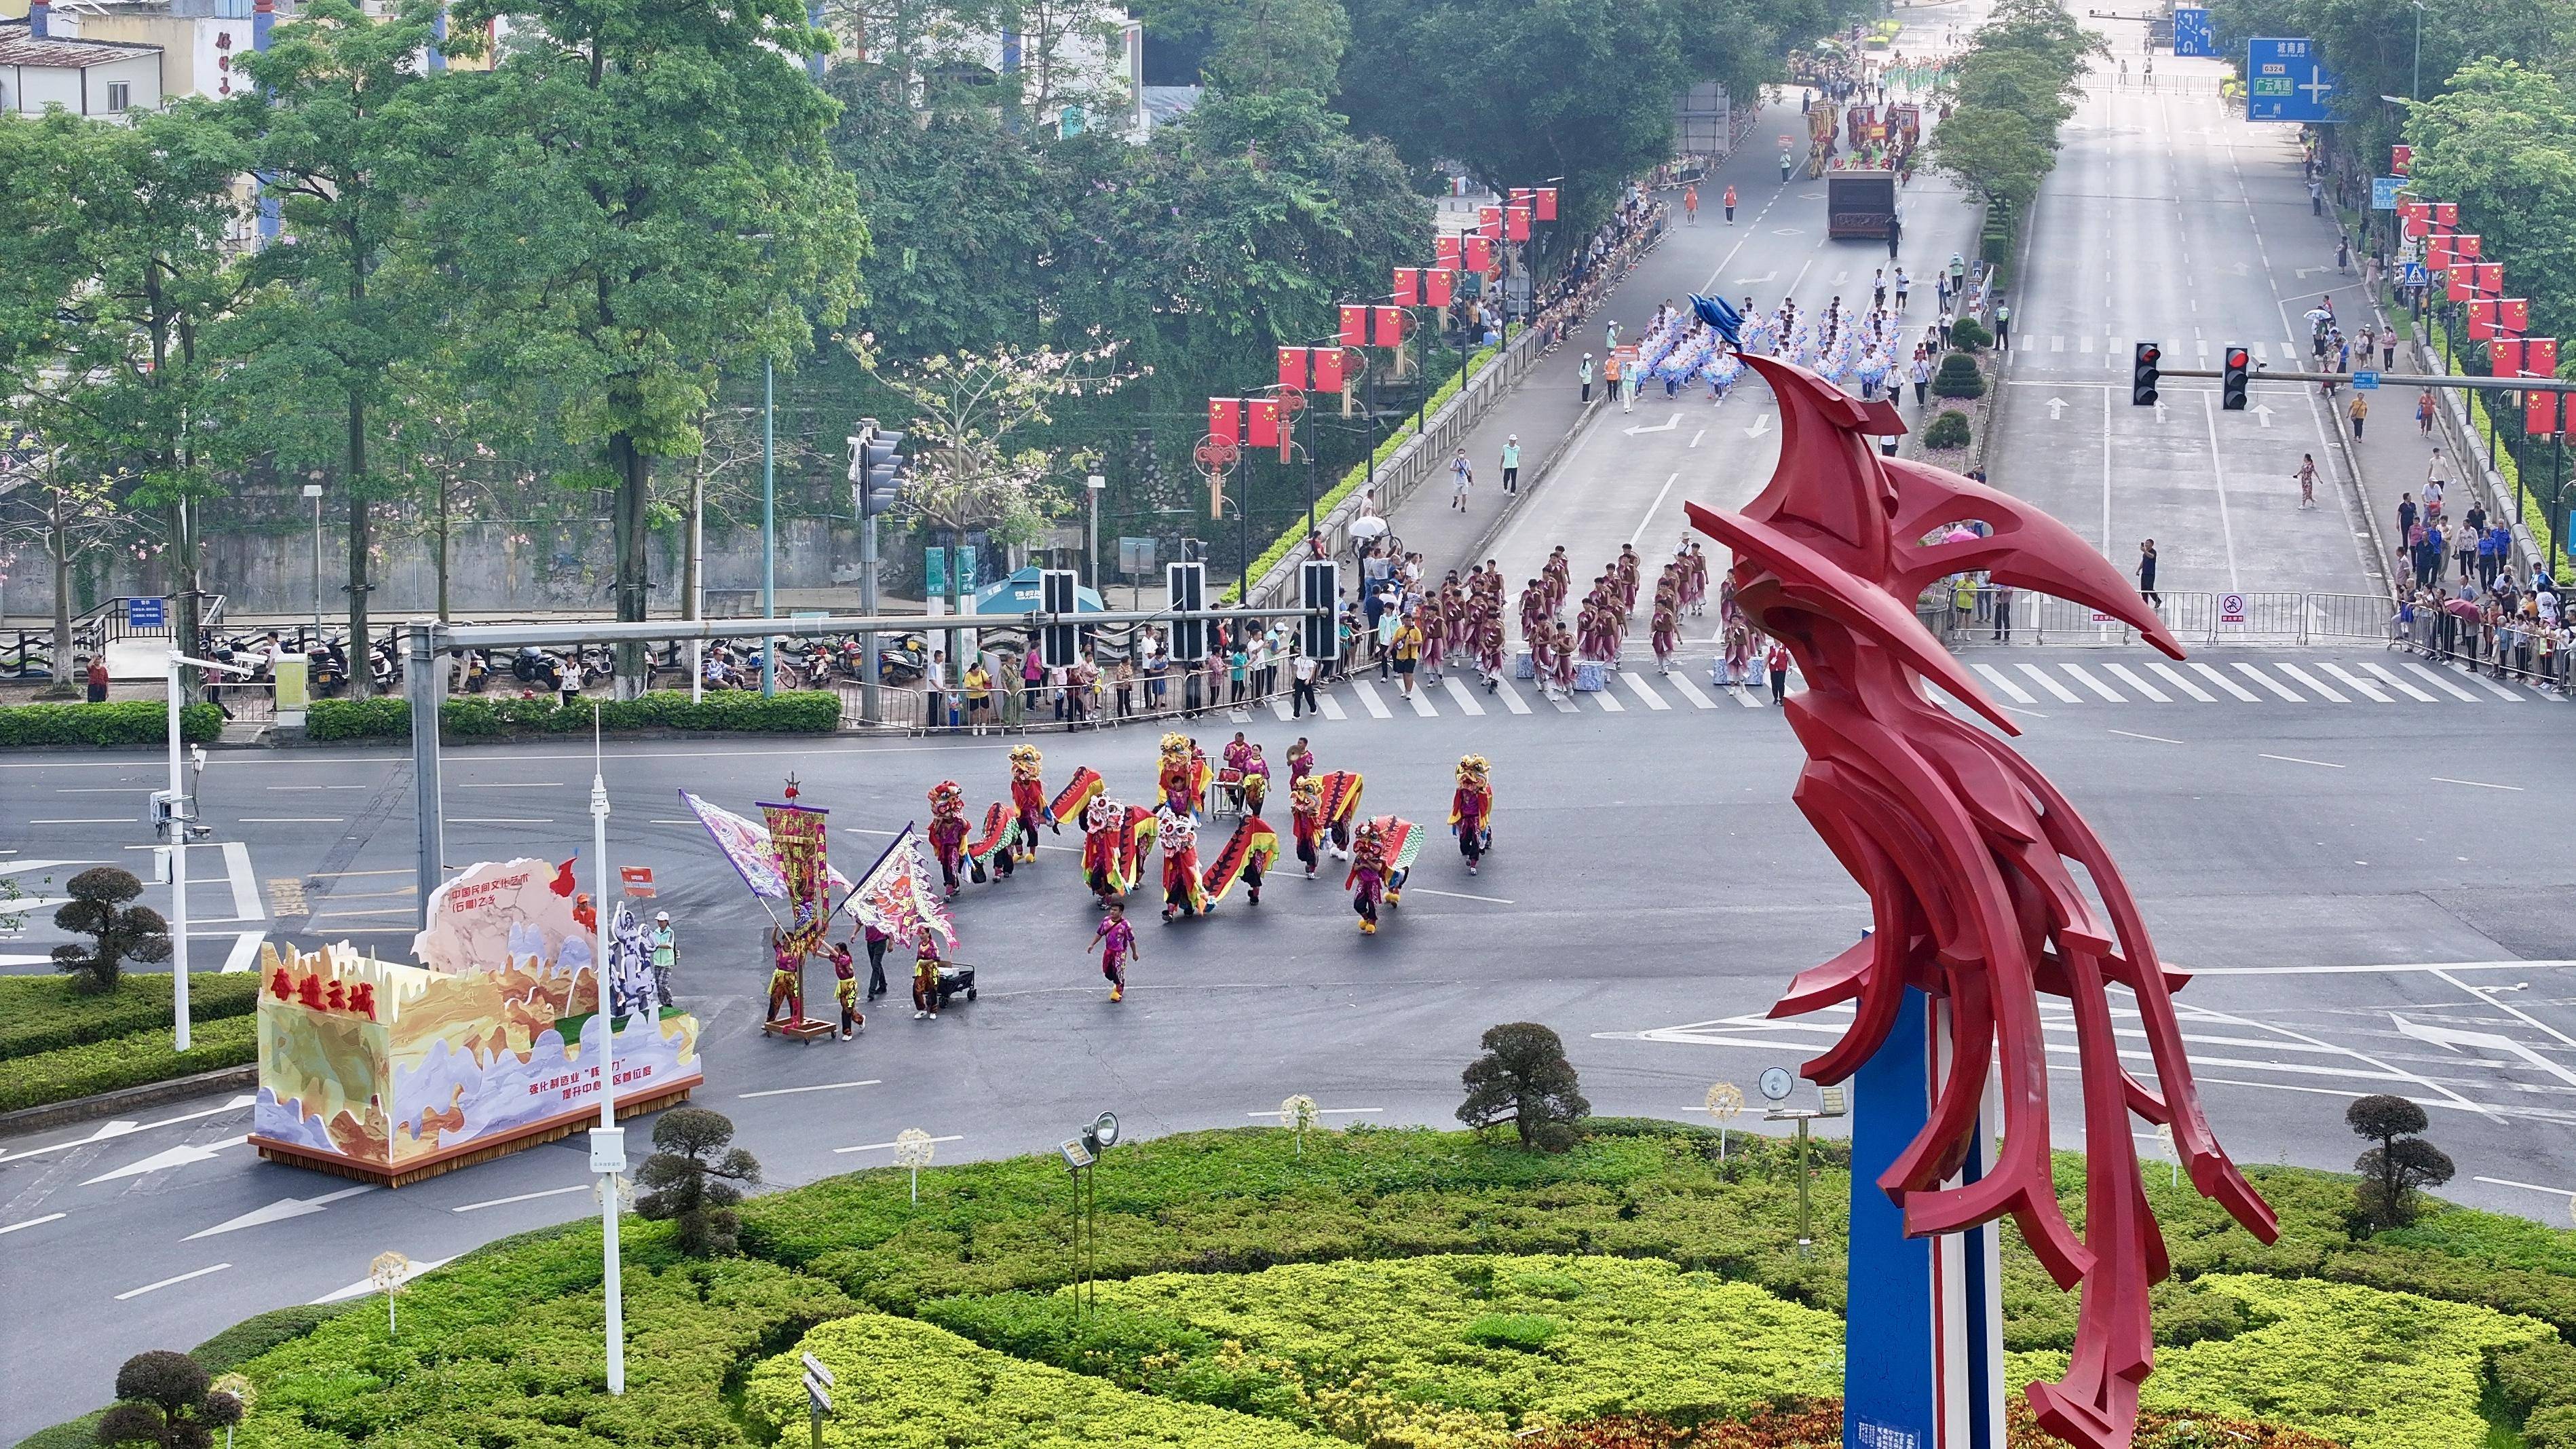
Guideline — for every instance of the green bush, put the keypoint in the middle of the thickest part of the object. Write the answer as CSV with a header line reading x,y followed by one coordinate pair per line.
x,y
1526,1332
2537,1376
126,1061
2552,1428
45,1013
1995,240
1969,335
261,1332
1958,377
1950,429
117,722
810,711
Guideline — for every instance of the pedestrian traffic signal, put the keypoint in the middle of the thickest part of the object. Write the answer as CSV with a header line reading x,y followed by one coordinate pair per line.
x,y
1186,586
1320,588
878,468
1057,646
2143,375
2231,383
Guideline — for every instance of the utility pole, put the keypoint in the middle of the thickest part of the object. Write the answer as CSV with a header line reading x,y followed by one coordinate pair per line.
x,y
769,525
1094,485
607,1140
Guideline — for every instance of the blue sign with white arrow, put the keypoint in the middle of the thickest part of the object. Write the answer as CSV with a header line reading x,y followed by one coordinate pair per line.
x,y
2286,80
2193,33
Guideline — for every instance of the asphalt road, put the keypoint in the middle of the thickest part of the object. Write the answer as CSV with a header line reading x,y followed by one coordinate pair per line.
x,y
2326,867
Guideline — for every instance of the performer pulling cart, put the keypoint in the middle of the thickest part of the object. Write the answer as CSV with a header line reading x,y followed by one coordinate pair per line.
x,y
948,831
1029,800
1381,857
1182,892
1471,810
1252,849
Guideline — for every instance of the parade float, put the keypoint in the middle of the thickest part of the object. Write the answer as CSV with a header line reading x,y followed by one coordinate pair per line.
x,y
390,1072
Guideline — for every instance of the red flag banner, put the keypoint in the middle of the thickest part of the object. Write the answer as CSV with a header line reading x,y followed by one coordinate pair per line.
x,y
1354,324
1547,203
2446,213
2540,413
2482,319
1292,367
1329,376
1516,223
1489,222
2418,216
1264,429
1408,286
2467,244
2437,254
1440,288
2540,357
2460,289
1480,254
1446,252
1390,327
1225,419
2504,357
2487,278
2401,160
1523,196
2513,314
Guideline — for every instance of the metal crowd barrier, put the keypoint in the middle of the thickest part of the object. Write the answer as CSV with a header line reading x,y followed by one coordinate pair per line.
x,y
2506,648
2195,617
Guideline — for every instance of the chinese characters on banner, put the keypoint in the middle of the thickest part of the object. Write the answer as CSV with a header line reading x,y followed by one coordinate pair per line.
x,y
895,895
796,834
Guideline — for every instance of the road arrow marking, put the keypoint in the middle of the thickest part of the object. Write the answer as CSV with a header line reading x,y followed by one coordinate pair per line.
x,y
279,1211
2304,273
1666,426
2243,271
2264,412
2056,408
174,1157
365,1286
2160,410
1760,426
2452,1039
1757,281
120,1127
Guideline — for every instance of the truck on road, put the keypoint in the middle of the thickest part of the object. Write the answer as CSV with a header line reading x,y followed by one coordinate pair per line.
x,y
1859,204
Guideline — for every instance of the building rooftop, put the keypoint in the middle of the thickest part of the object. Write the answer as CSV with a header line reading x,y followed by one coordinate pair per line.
x,y
18,48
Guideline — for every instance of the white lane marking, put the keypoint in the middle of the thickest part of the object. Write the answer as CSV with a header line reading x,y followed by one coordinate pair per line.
x,y
2438,682
2225,683
1368,700
515,785
2356,682
171,1157
1455,895
1458,691
2064,694
279,1211
1637,684
2218,478
1695,437
2179,680
1564,703
367,1285
500,820
2498,1181
1511,697
2265,680
476,1207
245,952
1608,701
166,1282
84,820
2311,681
1745,696
32,1223
2489,685
1331,706
282,820
103,790
1660,495
123,1128
1691,692
817,1087
2481,784
2295,760
1996,678
1420,699
1279,707
882,1146
2159,739
2095,685
2137,681
2384,672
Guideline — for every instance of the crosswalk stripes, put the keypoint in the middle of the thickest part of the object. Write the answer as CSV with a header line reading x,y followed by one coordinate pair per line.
x,y
1564,703
1369,701
2265,680
1643,690
2178,680
2095,685
1747,698
2052,686
1511,697
2356,683
1996,678
1691,692
1604,698
2444,685
1332,707
2315,685
2223,682
2398,684
1279,707
2487,684
2130,677
1458,692
1421,702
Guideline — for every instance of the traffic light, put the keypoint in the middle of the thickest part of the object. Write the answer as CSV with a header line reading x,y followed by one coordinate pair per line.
x,y
2231,385
878,468
1186,584
1057,646
2143,375
1320,587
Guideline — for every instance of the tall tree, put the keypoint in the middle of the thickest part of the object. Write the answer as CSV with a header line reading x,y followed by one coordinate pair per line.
x,y
2502,143
114,240
647,199
48,497
323,342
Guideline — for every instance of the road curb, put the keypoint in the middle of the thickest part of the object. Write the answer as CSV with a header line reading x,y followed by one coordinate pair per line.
x,y
125,1099
2003,392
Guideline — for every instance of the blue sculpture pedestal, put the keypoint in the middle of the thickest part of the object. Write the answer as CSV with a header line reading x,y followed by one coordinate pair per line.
x,y
1923,1342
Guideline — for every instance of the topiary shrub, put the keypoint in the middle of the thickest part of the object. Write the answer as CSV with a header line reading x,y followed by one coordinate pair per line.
x,y
2391,1171
1968,335
2551,1428
166,1399
1950,430
1959,377
118,932
1524,1079
117,722
691,1179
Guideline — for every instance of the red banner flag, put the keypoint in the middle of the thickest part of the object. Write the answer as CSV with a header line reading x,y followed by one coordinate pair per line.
x,y
2482,320
2437,253
2540,357
1516,223
1292,367
1489,222
1354,325
2459,289
1523,196
2401,160
2540,413
1328,369
1408,286
1265,422
2513,314
2446,213
1547,203
1225,419
1446,252
2504,357
1480,254
1390,327
2467,244
1440,288
2418,217
2486,279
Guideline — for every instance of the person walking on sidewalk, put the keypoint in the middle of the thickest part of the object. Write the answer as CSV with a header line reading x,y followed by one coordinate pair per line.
x,y
2316,198
2003,325
1690,205
1462,476
2307,476
2147,574
1512,466
1922,376
1583,375
1729,203
2359,412
2424,413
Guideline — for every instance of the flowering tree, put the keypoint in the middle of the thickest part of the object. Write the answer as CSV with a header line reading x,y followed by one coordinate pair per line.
x,y
973,465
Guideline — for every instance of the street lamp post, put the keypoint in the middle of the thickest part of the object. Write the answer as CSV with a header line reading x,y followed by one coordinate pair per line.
x,y
314,492
768,525
607,1140
1095,485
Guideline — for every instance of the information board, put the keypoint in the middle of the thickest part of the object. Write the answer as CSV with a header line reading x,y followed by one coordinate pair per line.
x,y
2286,80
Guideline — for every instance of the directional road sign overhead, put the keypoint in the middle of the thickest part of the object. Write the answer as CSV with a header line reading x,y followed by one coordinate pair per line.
x,y
2286,80
2193,34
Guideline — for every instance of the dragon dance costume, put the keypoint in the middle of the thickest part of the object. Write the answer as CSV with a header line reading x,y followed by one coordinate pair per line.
x,y
1073,802
1471,810
995,853
1252,849
948,831
1381,856
1337,805
1182,892
1029,799
1306,822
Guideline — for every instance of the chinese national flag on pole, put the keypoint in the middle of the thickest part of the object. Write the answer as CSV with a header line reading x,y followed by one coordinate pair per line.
x,y
2446,213
2467,244
1265,422
2437,254
1480,254
2487,278
1328,369
1522,196
1390,326
2458,276
1440,287
1489,222
1225,419
2419,217
1547,203
2482,320
2401,160
1292,367
1446,252
1408,287
2540,413
1516,223
2540,357
2504,357
1354,325
2513,315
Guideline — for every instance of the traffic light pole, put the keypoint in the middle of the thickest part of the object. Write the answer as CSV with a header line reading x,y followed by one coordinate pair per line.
x,y
2394,379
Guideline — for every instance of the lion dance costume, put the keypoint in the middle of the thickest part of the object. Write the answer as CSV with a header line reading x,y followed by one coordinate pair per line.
x,y
1184,774
1381,856
1029,799
1247,853
1471,810
1183,895
948,831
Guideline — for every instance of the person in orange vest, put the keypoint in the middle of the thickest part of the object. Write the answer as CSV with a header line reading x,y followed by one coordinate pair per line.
x,y
1690,204
1729,203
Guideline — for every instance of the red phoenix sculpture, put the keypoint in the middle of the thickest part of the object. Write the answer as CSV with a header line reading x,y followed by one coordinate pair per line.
x,y
1962,845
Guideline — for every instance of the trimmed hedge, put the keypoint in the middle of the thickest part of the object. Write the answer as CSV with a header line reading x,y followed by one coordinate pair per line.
x,y
809,711
1949,430
261,1332
1958,377
117,722
45,1013
126,1061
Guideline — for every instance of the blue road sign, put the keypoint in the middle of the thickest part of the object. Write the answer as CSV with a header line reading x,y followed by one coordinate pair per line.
x,y
2286,80
2365,381
2383,192
2412,275
145,614
2193,34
